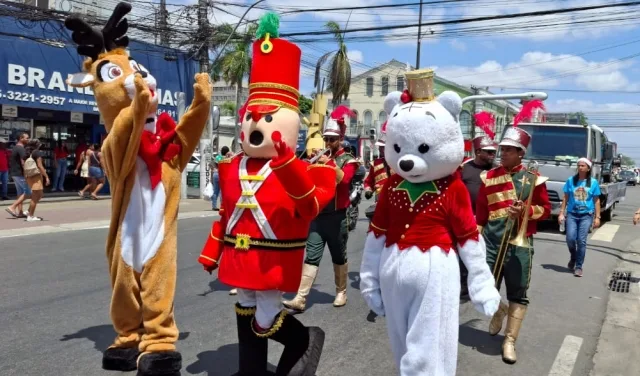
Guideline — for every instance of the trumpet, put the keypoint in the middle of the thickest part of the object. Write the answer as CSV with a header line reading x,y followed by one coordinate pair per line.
x,y
314,159
520,239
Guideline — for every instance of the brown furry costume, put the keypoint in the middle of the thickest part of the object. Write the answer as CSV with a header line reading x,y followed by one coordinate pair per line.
x,y
142,241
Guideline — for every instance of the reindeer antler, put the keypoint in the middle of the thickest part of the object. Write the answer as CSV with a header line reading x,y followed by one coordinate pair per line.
x,y
116,28
91,42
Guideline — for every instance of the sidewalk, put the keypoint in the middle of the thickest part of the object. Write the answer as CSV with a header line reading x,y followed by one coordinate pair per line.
x,y
618,351
75,214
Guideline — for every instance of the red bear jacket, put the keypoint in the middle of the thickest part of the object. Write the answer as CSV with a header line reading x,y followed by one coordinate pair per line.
x,y
436,213
266,210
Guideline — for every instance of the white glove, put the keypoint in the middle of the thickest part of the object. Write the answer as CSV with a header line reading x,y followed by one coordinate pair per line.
x,y
374,301
370,273
489,308
482,291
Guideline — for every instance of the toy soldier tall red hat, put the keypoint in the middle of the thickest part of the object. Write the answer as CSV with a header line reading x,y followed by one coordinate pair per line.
x,y
275,70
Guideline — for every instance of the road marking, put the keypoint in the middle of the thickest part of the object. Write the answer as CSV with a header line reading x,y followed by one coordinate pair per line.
x,y
606,233
76,226
566,358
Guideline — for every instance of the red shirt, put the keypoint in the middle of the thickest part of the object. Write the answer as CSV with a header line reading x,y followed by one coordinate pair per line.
x,y
425,215
4,160
61,153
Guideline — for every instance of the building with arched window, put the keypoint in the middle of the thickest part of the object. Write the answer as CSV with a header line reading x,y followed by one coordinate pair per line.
x,y
368,90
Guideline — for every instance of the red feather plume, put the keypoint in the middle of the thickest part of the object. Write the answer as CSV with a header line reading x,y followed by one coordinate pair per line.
x,y
526,113
487,122
340,111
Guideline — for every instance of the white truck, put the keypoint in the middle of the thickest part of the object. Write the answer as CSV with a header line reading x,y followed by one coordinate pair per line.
x,y
557,148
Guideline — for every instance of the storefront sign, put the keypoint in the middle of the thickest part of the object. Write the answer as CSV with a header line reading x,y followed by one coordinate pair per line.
x,y
76,117
9,110
28,79
302,138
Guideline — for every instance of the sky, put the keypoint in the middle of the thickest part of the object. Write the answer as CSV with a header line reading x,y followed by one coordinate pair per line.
x,y
585,61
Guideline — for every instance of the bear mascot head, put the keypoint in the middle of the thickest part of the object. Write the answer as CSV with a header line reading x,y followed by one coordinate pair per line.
x,y
423,137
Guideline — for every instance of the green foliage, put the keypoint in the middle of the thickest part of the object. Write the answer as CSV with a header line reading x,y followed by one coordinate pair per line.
x,y
305,104
340,71
228,108
627,161
269,23
582,118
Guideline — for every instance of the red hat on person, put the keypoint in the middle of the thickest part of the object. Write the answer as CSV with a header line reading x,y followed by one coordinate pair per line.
x,y
275,70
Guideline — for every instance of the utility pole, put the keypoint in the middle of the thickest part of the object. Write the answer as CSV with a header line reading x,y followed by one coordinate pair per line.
x,y
205,139
163,24
419,37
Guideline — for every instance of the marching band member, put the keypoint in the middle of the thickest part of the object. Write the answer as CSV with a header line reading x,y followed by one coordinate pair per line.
x,y
500,198
269,198
331,227
378,174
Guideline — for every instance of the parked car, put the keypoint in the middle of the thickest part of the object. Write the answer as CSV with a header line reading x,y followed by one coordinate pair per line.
x,y
627,176
194,163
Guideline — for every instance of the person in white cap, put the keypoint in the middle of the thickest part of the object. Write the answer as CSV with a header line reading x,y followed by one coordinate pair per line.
x,y
582,204
501,197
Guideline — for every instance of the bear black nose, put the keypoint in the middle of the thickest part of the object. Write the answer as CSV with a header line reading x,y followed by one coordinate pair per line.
x,y
406,165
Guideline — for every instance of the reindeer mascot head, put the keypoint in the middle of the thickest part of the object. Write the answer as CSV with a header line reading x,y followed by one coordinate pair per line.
x,y
143,155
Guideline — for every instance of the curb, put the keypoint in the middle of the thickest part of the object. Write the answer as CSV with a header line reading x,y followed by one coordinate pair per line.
x,y
618,348
92,225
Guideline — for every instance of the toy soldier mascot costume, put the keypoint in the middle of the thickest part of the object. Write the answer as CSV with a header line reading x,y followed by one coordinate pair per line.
x,y
269,198
331,227
378,174
505,193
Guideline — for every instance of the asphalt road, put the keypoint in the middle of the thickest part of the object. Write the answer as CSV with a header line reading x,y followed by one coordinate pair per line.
x,y
55,297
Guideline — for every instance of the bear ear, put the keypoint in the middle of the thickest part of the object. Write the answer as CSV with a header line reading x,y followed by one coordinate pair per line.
x,y
391,100
452,102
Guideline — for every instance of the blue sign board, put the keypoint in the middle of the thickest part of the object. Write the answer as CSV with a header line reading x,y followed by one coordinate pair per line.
x,y
33,70
302,138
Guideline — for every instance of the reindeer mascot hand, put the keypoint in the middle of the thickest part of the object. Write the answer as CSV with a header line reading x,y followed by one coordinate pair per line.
x,y
144,156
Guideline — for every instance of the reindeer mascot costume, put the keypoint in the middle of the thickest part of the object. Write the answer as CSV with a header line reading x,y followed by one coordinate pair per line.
x,y
269,198
144,157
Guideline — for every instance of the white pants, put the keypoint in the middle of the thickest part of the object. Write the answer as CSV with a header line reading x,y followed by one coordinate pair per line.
x,y
268,304
421,295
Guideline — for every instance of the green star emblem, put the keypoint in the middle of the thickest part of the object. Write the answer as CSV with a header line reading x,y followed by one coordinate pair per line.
x,y
416,190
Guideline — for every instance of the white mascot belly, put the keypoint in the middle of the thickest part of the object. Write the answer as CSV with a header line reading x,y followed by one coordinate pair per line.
x,y
423,221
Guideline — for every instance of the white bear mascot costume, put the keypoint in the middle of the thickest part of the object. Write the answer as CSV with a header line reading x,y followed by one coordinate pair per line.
x,y
410,271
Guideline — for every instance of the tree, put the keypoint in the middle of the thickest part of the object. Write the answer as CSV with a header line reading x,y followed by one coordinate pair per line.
x,y
627,161
228,108
582,118
340,71
305,104
235,64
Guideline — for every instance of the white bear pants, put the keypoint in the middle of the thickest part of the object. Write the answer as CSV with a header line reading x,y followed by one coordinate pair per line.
x,y
268,304
421,295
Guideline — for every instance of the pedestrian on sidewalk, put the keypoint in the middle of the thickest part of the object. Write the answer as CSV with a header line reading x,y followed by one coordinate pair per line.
x,y
16,169
83,166
5,155
582,203
96,169
60,154
35,174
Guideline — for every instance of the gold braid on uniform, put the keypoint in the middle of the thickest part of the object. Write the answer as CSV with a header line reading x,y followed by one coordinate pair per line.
x,y
245,311
274,328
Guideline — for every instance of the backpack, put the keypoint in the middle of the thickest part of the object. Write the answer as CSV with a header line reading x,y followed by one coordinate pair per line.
x,y
31,167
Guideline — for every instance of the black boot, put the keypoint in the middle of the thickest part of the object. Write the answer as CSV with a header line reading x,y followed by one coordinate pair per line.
x,y
302,345
161,363
119,359
252,350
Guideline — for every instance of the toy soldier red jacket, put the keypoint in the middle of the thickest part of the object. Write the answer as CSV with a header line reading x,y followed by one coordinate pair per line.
x,y
377,176
282,202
